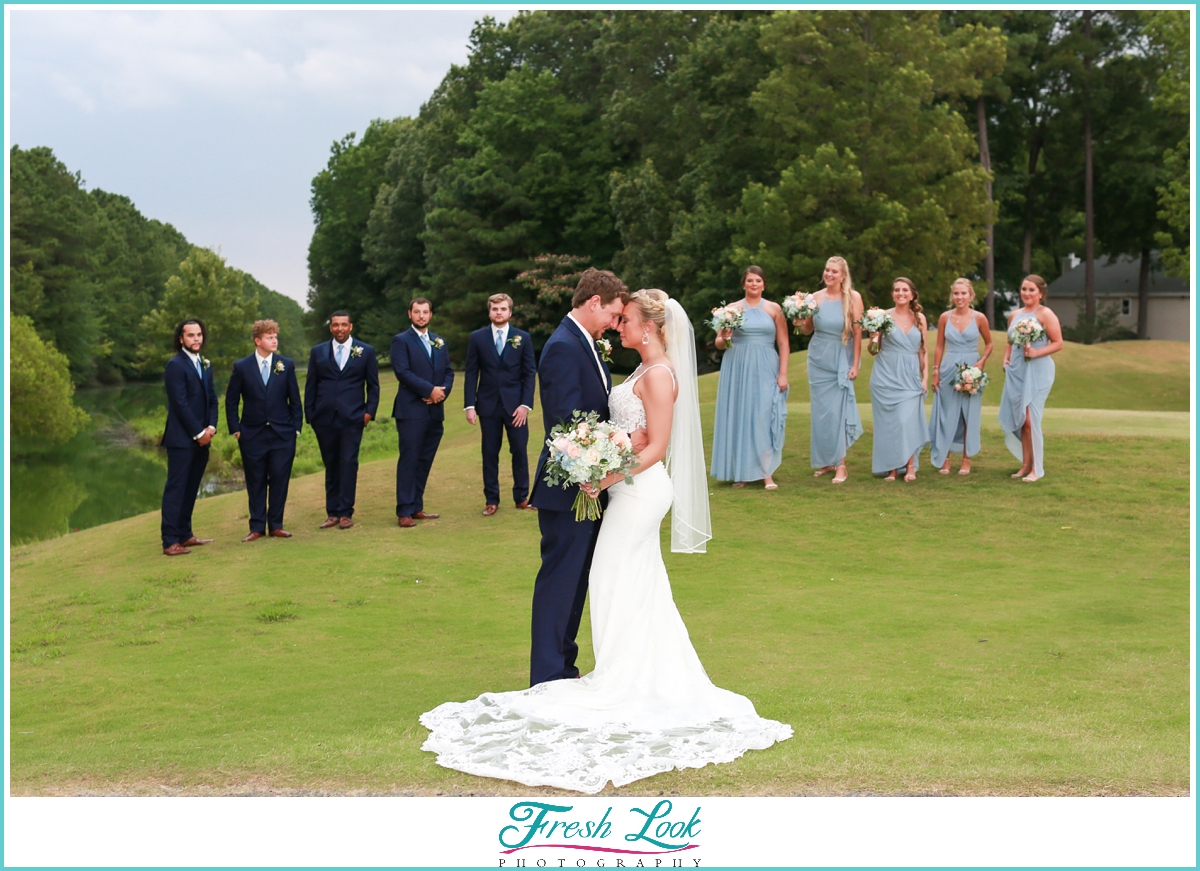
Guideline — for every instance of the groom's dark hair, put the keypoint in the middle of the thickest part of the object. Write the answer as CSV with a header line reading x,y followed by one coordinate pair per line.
x,y
601,283
179,332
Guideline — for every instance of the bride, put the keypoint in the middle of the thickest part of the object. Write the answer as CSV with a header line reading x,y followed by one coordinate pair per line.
x,y
648,707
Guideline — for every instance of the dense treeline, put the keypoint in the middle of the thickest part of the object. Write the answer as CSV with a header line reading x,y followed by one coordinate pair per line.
x,y
87,268
678,147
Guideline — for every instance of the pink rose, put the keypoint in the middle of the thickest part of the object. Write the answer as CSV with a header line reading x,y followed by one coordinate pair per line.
x,y
573,450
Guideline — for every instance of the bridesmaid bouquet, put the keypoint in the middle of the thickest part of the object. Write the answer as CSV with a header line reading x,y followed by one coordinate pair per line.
x,y
583,452
799,306
969,379
876,320
727,317
1026,332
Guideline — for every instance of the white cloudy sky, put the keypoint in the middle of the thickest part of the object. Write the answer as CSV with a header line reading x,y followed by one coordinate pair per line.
x,y
216,120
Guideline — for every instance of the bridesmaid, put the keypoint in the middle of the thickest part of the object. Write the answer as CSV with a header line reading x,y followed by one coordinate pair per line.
x,y
1028,377
752,390
899,382
834,355
955,420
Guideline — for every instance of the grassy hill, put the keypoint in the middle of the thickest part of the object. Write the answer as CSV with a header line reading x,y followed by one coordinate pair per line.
x,y
952,636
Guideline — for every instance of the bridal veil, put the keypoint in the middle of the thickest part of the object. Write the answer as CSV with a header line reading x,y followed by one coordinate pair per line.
x,y
691,526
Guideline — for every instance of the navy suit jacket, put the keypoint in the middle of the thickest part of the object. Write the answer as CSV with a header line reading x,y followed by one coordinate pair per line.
x,y
499,383
418,375
569,381
276,403
191,402
335,396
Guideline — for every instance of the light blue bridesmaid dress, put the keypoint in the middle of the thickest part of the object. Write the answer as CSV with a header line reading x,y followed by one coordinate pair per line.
x,y
897,401
1027,383
751,409
955,418
835,422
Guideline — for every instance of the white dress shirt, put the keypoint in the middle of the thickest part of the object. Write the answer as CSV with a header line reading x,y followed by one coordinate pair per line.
x,y
345,346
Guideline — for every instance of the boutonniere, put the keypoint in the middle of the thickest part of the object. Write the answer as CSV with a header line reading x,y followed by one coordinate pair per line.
x,y
356,351
278,367
437,342
605,350
515,341
205,362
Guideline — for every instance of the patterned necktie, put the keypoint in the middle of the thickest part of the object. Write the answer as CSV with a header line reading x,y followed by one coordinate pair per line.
x,y
338,353
265,373
500,342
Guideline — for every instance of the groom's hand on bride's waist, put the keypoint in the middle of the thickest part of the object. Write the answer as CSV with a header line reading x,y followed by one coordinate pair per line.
x,y
639,438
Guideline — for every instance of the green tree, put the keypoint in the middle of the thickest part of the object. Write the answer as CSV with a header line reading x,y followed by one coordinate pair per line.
x,y
40,387
285,311
885,173
1169,34
343,195
208,289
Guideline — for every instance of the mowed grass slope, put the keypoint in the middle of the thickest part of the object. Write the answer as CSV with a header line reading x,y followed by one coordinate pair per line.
x,y
952,636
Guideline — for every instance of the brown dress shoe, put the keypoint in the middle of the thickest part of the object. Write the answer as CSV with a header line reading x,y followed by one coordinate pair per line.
x,y
421,515
254,536
345,523
196,542
406,522
525,506
489,510
329,521
280,533
175,550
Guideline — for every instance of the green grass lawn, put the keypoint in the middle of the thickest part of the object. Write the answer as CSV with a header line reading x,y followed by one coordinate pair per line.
x,y
951,636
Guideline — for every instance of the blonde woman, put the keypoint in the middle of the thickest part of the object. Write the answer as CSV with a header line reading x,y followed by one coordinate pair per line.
x,y
955,419
1028,377
834,355
899,381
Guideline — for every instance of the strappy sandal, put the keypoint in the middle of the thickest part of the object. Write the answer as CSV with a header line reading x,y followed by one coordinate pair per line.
x,y
837,480
819,472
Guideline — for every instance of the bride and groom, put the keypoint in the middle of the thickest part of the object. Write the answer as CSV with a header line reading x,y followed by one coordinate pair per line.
x,y
648,707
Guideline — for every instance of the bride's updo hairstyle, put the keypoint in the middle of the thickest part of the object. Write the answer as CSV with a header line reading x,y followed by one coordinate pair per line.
x,y
652,306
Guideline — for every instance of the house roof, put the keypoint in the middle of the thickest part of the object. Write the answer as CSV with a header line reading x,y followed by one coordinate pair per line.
x,y
1119,279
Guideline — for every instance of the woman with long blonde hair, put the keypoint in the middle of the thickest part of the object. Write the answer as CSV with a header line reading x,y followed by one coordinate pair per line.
x,y
834,355
954,421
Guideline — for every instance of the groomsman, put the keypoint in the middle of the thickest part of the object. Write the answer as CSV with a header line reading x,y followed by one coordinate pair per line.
x,y
266,431
498,394
191,424
338,373
421,362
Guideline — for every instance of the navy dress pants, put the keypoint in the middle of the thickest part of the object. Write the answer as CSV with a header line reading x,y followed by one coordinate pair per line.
x,y
494,430
185,471
419,439
559,594
339,452
267,463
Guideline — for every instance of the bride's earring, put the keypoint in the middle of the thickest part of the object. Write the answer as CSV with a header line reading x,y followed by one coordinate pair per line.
x,y
646,338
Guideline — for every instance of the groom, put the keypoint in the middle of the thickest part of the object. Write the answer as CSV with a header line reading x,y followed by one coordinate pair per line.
x,y
573,377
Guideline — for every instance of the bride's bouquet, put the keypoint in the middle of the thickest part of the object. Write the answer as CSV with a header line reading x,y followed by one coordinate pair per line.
x,y
969,379
799,306
583,452
727,317
1026,332
876,320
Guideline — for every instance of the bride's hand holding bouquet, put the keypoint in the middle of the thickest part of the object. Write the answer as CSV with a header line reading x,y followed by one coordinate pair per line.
x,y
585,451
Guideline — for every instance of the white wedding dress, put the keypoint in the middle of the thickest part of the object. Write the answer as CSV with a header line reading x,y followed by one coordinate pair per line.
x,y
648,707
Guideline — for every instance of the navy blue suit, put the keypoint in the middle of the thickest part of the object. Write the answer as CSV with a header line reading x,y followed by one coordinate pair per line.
x,y
270,420
191,407
419,425
496,385
570,381
334,406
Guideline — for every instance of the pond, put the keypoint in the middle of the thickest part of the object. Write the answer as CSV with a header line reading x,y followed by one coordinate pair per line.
x,y
103,474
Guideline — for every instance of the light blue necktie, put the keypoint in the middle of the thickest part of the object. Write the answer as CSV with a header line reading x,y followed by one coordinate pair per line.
x,y
428,346
265,372
199,370
338,352
500,343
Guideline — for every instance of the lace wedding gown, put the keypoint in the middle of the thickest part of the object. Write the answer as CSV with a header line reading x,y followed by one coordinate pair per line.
x,y
648,707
